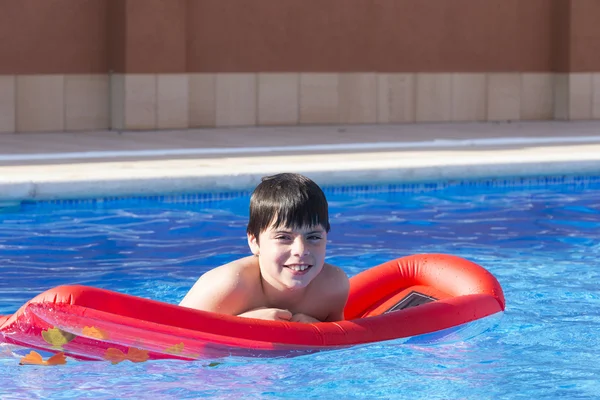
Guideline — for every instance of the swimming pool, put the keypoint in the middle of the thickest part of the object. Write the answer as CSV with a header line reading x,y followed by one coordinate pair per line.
x,y
538,236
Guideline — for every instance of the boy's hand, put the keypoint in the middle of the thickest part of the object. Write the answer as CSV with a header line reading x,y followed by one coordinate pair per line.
x,y
271,314
299,317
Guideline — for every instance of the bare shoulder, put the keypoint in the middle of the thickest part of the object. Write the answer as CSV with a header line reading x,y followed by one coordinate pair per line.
x,y
336,281
225,289
334,274
333,289
234,272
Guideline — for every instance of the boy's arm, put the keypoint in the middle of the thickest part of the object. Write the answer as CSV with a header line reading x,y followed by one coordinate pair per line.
x,y
272,314
307,319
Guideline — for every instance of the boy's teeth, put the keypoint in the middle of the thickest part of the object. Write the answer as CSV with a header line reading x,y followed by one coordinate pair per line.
x,y
298,267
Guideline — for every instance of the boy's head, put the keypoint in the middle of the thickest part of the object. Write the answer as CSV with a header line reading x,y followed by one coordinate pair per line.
x,y
287,200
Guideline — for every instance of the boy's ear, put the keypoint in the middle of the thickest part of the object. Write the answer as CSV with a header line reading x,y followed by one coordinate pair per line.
x,y
253,243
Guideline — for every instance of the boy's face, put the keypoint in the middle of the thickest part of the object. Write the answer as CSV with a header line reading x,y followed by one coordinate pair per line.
x,y
290,258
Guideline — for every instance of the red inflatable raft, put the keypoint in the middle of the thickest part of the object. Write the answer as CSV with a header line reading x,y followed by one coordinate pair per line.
x,y
402,298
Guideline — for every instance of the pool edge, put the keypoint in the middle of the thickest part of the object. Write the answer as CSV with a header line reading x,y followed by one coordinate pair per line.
x,y
148,177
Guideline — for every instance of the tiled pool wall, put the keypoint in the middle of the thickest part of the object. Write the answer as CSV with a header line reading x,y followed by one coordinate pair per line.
x,y
575,182
98,65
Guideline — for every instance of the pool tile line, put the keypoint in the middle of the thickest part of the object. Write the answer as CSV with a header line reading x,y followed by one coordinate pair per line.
x,y
209,198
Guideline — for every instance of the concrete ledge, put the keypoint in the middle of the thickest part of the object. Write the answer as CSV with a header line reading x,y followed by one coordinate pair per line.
x,y
136,178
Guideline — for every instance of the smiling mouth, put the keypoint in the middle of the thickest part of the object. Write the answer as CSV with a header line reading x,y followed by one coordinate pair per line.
x,y
298,267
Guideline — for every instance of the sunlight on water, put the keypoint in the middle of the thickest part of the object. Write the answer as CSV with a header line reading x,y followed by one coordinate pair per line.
x,y
541,243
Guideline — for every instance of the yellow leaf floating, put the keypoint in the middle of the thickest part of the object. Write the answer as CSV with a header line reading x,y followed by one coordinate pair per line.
x,y
116,356
34,358
57,338
175,349
96,333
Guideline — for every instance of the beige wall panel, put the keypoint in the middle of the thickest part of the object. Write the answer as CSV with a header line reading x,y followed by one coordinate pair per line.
x,y
86,102
358,98
40,103
596,95
434,97
8,106
140,101
236,99
173,101
580,96
537,96
202,107
278,98
395,98
469,97
319,98
561,96
117,101
503,97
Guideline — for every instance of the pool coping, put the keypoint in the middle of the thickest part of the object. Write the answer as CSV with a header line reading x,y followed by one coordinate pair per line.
x,y
435,152
178,176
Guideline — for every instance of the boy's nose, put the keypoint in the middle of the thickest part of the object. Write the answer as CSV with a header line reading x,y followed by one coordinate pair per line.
x,y
300,248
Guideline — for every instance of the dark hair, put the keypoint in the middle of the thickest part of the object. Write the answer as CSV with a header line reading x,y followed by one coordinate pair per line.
x,y
289,200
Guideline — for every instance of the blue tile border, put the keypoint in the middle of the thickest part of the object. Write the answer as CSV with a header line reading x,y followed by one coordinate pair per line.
x,y
488,183
206,198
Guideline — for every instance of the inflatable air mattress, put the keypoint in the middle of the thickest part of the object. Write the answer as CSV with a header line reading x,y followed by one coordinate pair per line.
x,y
406,297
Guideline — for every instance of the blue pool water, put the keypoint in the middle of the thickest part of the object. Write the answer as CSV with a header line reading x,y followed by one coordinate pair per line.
x,y
539,237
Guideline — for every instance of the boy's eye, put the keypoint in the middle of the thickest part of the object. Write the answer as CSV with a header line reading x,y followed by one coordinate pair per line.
x,y
314,237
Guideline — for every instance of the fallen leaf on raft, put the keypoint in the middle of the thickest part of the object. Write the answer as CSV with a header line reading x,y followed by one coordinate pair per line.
x,y
137,355
175,349
35,358
57,338
96,333
116,356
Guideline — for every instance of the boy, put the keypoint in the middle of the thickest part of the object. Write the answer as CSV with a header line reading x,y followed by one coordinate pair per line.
x,y
287,278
